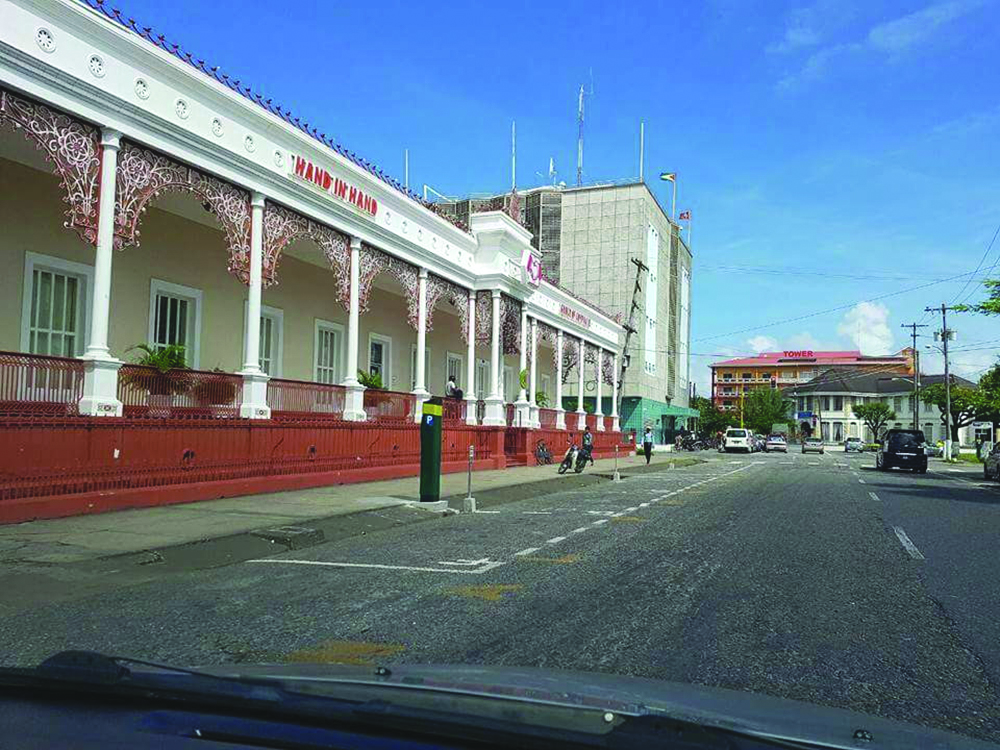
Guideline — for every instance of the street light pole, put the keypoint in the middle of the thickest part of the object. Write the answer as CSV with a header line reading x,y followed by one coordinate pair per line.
x,y
945,335
916,373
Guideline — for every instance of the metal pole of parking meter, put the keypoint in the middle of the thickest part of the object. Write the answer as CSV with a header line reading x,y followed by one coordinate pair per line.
x,y
617,477
430,450
469,503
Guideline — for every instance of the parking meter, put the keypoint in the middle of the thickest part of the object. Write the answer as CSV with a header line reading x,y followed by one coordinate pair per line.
x,y
430,451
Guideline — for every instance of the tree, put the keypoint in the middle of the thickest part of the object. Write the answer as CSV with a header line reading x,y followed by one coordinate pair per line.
x,y
764,407
710,418
989,306
967,404
876,415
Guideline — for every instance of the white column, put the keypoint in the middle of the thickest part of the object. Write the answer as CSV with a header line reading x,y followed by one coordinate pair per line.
x,y
615,423
522,407
100,382
420,386
560,412
581,415
354,395
254,404
494,403
470,365
533,374
599,410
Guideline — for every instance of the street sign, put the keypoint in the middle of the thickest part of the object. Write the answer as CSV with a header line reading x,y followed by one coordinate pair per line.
x,y
803,415
982,425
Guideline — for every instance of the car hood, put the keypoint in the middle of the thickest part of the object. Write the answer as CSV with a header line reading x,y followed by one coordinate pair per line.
x,y
629,696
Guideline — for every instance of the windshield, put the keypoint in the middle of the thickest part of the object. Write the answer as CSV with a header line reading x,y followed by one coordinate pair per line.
x,y
371,336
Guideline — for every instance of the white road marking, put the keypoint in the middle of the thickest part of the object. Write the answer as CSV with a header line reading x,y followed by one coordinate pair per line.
x,y
616,515
477,571
598,523
907,544
860,480
555,540
873,496
528,551
643,505
631,510
462,561
486,511
537,512
579,530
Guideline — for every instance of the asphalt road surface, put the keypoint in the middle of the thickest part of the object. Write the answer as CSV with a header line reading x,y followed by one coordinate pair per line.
x,y
807,577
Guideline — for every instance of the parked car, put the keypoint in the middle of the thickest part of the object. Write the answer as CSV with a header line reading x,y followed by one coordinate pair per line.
x,y
812,445
854,444
738,439
902,448
991,465
776,443
932,449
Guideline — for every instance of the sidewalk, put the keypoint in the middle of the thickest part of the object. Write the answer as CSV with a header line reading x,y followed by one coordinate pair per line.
x,y
81,538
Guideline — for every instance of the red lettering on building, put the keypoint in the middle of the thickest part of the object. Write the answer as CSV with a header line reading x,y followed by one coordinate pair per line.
x,y
798,354
568,312
306,170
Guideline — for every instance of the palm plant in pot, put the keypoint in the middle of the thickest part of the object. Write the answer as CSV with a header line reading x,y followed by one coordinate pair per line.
x,y
160,373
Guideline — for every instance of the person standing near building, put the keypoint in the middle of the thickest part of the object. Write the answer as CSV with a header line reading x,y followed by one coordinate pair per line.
x,y
647,443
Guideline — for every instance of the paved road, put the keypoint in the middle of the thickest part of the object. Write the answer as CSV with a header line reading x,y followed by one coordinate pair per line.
x,y
769,573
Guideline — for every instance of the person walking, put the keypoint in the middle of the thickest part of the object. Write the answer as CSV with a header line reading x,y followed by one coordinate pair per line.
x,y
588,444
647,443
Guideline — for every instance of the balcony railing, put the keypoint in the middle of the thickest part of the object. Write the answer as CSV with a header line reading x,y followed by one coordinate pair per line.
x,y
145,392
36,384
547,418
293,400
453,410
510,414
480,411
385,407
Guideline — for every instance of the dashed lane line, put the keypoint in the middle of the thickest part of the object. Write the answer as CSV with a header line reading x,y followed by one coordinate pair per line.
x,y
528,551
579,530
555,540
873,496
907,544
861,481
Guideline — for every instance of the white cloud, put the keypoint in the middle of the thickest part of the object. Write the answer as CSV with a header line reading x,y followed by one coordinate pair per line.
x,y
905,32
867,325
762,344
804,341
804,27
893,38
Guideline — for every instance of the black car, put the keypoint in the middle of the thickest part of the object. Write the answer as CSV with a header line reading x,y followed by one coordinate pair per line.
x,y
904,449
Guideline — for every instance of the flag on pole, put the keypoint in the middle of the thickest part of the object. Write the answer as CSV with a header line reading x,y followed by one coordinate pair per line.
x,y
685,216
669,176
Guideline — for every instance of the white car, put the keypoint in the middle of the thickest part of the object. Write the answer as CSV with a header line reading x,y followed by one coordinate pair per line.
x,y
738,439
775,443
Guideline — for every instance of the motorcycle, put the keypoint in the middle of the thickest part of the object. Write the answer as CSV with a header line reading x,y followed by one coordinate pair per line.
x,y
569,459
582,457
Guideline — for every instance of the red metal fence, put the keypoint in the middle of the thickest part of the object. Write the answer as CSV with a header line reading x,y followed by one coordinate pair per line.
x,y
389,407
34,384
547,418
294,400
453,410
145,392
592,422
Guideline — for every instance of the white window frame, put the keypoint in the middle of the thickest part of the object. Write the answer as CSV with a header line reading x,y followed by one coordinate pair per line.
x,y
515,384
545,383
177,290
277,317
448,357
320,325
413,367
482,388
33,261
386,342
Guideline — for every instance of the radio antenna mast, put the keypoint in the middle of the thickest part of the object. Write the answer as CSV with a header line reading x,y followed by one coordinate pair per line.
x,y
579,122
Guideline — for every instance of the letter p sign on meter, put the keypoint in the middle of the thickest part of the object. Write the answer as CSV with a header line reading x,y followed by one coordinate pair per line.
x,y
430,451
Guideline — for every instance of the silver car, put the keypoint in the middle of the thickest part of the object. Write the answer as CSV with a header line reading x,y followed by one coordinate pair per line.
x,y
812,445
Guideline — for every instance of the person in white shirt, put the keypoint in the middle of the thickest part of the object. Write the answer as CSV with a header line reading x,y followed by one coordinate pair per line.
x,y
452,390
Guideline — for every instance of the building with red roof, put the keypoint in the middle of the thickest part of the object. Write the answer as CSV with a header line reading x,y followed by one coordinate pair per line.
x,y
732,379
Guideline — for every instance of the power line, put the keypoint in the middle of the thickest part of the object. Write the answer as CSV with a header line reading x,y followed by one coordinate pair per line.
x,y
838,308
789,271
981,261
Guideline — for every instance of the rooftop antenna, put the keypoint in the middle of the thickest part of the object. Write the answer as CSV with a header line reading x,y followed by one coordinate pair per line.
x,y
642,146
579,122
513,156
552,170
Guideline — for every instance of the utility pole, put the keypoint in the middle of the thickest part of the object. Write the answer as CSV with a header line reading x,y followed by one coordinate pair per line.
x,y
916,373
630,327
946,335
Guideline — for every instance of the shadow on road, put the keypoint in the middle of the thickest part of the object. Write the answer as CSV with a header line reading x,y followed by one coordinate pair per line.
x,y
931,488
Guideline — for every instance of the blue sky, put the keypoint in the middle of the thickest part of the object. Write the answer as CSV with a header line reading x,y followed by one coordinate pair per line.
x,y
848,149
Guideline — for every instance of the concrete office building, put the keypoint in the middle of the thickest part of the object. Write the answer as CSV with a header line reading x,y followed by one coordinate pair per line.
x,y
586,237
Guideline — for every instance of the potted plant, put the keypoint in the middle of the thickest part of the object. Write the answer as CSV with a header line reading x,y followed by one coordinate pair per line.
x,y
370,380
541,399
216,390
160,375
